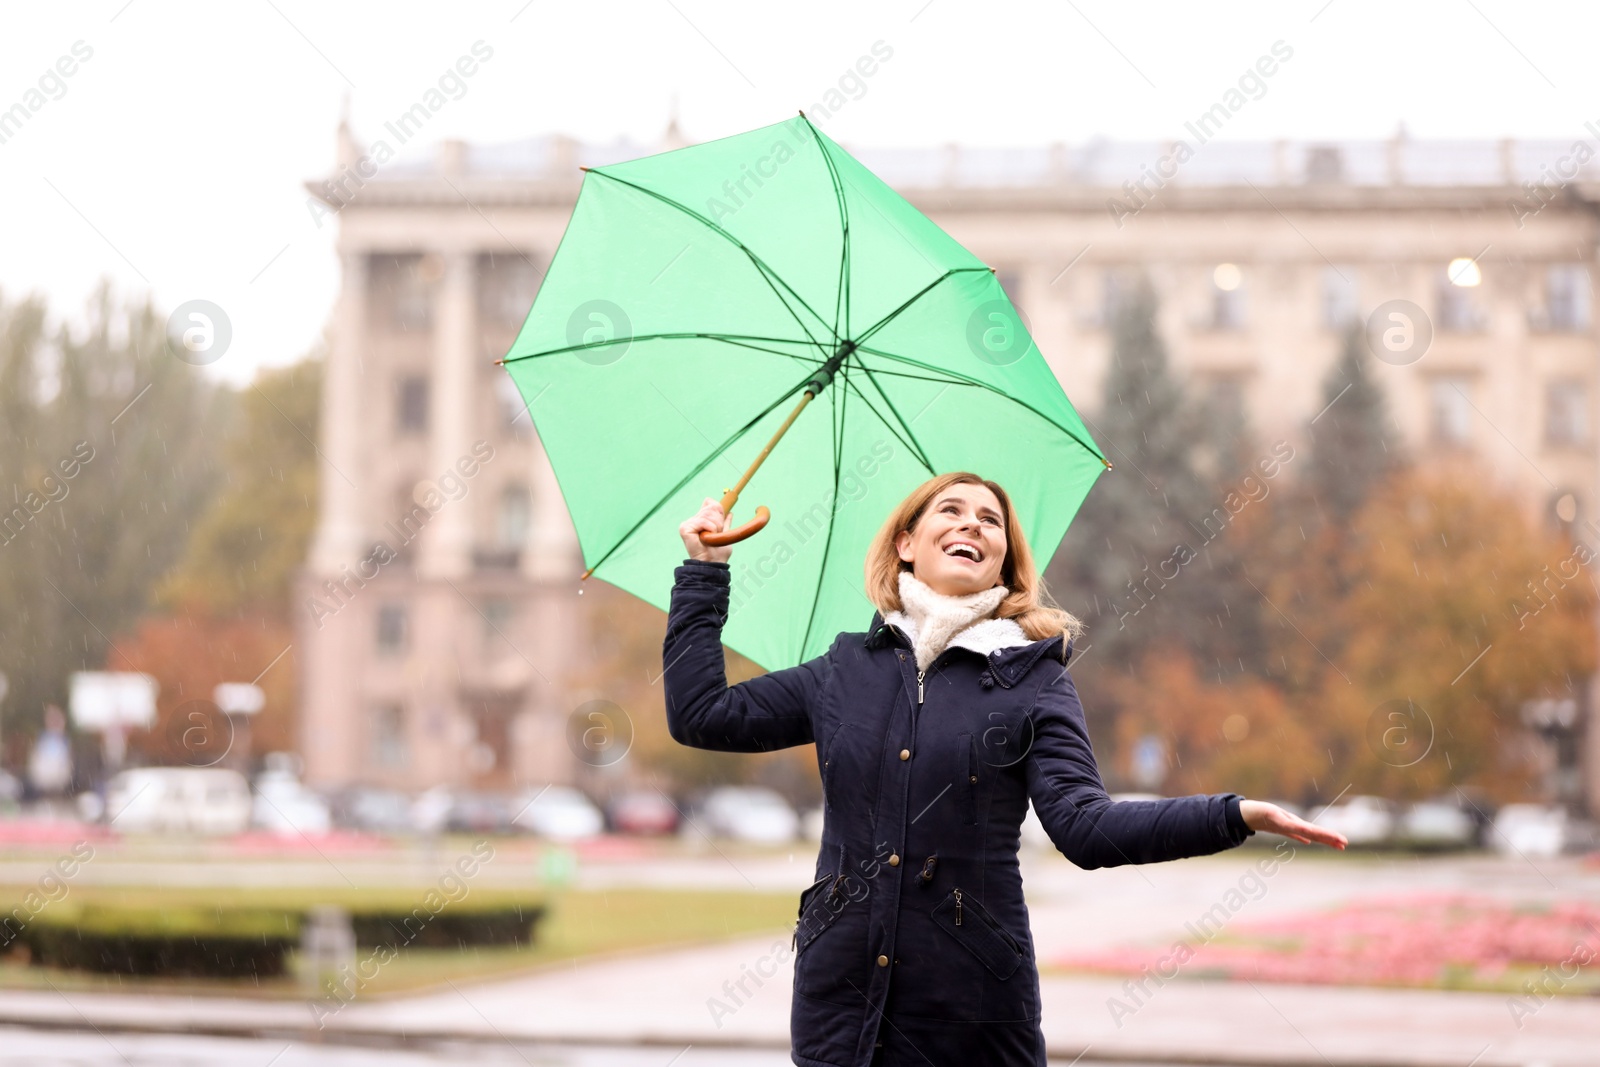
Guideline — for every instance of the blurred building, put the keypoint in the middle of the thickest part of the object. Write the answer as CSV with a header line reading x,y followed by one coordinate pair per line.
x,y
439,669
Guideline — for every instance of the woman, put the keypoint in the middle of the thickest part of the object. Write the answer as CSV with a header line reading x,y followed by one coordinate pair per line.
x,y
934,729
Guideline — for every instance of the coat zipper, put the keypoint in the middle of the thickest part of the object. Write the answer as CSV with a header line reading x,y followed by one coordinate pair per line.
x,y
958,907
920,675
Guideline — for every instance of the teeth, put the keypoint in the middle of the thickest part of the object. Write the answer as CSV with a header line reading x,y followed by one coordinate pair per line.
x,y
967,550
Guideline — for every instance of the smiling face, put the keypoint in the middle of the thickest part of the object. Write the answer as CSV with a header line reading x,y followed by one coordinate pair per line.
x,y
959,541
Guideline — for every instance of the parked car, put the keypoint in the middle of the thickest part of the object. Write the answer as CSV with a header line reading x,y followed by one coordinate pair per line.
x,y
284,805
383,811
1363,820
748,813
811,824
1436,824
1033,831
10,792
430,810
479,813
1530,830
559,812
642,811
443,809
192,800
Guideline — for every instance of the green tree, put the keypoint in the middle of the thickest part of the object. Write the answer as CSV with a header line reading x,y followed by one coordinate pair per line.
x,y
107,457
1144,563
248,543
1354,447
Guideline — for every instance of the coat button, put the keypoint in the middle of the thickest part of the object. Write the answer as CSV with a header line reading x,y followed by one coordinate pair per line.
x,y
883,961
894,861
905,753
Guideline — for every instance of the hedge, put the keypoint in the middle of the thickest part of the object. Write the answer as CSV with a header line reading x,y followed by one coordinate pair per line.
x,y
245,942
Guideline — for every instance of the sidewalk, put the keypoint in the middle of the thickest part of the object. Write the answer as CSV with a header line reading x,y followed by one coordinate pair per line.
x,y
665,999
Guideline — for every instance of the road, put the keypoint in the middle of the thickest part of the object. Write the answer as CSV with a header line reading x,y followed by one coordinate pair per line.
x,y
32,1048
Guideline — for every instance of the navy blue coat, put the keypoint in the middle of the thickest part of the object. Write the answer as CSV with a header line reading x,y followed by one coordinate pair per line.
x,y
914,935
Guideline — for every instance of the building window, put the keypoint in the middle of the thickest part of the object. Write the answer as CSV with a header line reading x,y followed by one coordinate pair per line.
x,y
389,748
497,616
1568,297
1227,297
1566,412
513,517
1448,400
391,636
1011,283
402,288
411,405
1457,288
1115,290
1224,398
514,416
1339,299
1564,511
507,283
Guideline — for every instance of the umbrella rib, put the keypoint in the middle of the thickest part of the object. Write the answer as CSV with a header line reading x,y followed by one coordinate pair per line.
x,y
702,465
910,446
915,446
964,380
767,273
837,437
842,299
729,338
881,323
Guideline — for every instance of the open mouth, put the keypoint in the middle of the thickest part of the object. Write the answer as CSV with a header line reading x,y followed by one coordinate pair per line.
x,y
964,550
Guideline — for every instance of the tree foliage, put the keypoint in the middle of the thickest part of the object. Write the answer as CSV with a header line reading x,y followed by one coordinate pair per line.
x,y
107,451
255,534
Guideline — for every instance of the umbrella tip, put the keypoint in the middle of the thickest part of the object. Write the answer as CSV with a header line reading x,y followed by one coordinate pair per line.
x,y
1108,464
585,169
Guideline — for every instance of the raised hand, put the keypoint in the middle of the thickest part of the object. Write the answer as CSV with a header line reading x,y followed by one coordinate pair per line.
x,y
710,518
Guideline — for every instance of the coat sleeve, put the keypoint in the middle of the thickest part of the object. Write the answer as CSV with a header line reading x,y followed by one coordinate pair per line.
x,y
703,711
1085,824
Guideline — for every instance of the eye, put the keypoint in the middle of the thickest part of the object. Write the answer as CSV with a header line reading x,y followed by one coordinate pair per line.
x,y
992,519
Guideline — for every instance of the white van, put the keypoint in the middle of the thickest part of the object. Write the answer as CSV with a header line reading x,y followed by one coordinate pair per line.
x,y
183,800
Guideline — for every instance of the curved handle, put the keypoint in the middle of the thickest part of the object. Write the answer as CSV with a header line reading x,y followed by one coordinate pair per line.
x,y
738,533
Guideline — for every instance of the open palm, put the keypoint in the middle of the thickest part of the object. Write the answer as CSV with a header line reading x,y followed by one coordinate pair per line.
x,y
1260,815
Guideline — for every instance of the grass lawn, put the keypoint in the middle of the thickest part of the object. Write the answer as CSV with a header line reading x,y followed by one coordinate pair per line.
x,y
579,923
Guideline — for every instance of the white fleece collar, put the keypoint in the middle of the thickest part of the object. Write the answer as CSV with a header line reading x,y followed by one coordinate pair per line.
x,y
933,621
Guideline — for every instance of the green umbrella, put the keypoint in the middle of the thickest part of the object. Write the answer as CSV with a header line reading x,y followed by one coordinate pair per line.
x,y
701,298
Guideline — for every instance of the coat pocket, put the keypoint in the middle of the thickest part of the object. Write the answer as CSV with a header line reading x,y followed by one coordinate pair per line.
x,y
820,905
964,919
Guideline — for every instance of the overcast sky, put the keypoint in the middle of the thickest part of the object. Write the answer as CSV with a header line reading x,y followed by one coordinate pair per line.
x,y
172,158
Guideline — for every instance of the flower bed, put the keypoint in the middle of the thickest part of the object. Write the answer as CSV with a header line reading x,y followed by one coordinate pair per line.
x,y
1440,941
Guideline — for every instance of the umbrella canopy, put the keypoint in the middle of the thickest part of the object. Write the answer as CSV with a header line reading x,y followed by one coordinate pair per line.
x,y
695,295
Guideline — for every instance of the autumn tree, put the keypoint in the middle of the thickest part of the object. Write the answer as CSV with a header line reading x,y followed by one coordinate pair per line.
x,y
625,637
223,611
1460,610
107,458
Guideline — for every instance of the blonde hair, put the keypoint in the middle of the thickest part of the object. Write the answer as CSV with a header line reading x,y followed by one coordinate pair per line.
x,y
1029,602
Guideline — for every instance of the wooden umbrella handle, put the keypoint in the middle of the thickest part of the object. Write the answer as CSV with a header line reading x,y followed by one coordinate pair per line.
x,y
738,533
730,497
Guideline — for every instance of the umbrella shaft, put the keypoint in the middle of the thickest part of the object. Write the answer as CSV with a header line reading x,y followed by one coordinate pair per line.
x,y
815,385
